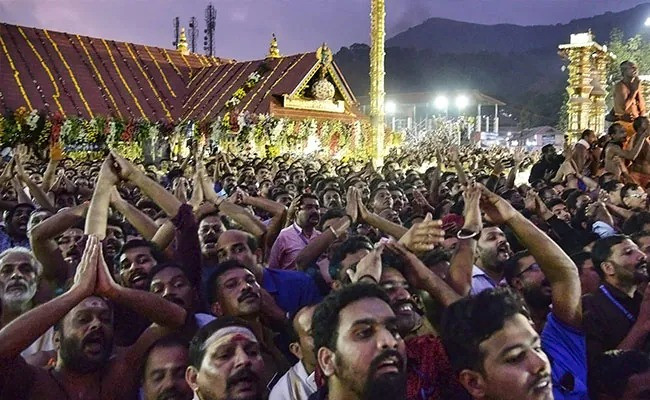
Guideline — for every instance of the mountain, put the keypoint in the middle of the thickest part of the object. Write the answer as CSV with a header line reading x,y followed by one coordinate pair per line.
x,y
516,64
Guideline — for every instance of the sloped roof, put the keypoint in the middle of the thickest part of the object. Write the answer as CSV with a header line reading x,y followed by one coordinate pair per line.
x,y
84,76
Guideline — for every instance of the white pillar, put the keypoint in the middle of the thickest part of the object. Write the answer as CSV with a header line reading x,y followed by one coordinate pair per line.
x,y
496,118
478,119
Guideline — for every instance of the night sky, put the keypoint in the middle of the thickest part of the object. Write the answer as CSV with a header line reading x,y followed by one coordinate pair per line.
x,y
244,27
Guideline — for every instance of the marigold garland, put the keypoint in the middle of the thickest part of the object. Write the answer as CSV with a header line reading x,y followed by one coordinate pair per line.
x,y
110,77
203,82
110,54
260,86
178,72
99,77
282,77
29,72
153,89
223,76
135,78
16,73
57,93
223,92
155,62
74,80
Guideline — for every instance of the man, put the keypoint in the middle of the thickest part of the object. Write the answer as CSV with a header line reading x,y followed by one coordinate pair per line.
x,y
234,292
622,375
19,277
589,278
226,362
358,345
135,263
380,200
547,166
639,170
331,198
613,317
86,361
291,290
295,237
164,371
494,348
300,381
559,209
628,97
492,251
15,232
582,155
615,155
634,197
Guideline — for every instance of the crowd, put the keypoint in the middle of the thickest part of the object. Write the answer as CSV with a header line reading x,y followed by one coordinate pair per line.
x,y
218,277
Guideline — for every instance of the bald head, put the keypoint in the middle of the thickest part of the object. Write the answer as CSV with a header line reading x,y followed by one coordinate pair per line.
x,y
241,246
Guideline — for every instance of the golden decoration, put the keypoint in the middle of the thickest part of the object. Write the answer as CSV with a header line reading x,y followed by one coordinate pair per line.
x,y
119,73
16,73
155,62
155,92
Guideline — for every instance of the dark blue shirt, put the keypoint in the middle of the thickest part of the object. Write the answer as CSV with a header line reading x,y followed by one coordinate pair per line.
x,y
566,348
291,290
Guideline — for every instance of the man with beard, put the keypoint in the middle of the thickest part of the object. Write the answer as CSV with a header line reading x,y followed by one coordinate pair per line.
x,y
494,349
331,198
400,202
582,154
358,345
559,209
300,381
234,292
226,362
380,199
291,290
616,156
297,236
492,251
19,277
87,366
14,233
299,179
164,371
617,315
629,103
135,263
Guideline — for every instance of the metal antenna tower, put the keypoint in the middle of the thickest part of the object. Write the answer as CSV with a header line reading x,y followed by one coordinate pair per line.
x,y
210,23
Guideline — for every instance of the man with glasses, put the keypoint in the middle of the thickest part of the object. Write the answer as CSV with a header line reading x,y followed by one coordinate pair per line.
x,y
297,236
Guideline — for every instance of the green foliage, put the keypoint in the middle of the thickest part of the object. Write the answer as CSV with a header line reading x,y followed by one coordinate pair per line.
x,y
636,48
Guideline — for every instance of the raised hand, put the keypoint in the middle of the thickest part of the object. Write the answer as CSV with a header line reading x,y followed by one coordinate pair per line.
x,y
472,212
497,209
351,205
108,173
85,278
7,173
415,272
123,167
423,236
368,267
105,285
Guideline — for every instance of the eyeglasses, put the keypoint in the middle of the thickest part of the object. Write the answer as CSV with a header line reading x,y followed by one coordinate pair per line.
x,y
534,267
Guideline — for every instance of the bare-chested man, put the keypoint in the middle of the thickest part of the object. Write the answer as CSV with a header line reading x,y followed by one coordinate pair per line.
x,y
628,97
87,365
616,156
640,167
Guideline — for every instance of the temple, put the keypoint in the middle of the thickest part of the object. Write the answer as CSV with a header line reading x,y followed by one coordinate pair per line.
x,y
275,101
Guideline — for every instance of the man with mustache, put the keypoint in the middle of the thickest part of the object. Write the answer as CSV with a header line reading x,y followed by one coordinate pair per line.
x,y
234,292
297,236
494,349
358,345
19,277
164,371
14,233
226,362
135,263
87,365
331,198
492,251
617,316
380,200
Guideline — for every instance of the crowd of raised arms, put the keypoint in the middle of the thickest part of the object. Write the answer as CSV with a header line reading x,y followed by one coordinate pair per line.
x,y
439,275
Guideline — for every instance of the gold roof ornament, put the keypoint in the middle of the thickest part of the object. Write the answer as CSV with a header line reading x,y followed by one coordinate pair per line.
x,y
274,52
182,43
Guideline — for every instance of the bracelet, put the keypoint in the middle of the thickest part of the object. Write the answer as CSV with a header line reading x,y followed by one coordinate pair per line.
x,y
464,234
368,276
336,235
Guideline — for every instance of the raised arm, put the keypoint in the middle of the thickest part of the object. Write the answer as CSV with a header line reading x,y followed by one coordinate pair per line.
x,y
158,194
50,174
460,271
24,330
45,248
36,191
140,221
633,153
98,210
554,262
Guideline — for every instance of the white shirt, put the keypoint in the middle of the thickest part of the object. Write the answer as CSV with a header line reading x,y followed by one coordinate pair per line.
x,y
43,343
295,384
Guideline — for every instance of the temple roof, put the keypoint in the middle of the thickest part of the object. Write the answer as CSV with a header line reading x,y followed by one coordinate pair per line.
x,y
83,76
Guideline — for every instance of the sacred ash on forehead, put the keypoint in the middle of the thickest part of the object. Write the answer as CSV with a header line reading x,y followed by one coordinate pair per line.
x,y
224,335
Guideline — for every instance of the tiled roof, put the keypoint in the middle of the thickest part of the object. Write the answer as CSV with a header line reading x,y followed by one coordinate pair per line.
x,y
80,75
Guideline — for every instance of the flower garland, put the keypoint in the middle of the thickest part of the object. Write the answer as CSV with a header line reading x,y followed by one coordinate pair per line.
x,y
56,94
204,82
169,59
164,77
15,73
110,77
280,79
74,80
30,73
96,76
128,89
214,103
151,85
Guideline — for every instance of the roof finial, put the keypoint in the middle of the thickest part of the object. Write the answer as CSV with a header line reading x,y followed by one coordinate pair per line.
x,y
182,43
274,52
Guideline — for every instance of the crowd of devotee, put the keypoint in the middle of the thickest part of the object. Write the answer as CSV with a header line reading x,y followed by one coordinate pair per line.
x,y
439,275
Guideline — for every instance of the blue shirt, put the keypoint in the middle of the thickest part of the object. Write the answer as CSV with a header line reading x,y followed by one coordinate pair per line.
x,y
7,242
291,290
566,347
